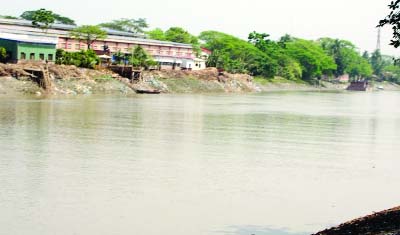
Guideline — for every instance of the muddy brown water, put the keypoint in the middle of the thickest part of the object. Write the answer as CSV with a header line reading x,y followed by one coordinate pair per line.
x,y
288,163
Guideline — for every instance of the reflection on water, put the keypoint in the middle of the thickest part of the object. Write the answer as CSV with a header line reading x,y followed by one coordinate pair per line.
x,y
197,164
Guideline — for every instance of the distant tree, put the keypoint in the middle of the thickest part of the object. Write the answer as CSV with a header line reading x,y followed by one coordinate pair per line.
x,y
8,17
392,73
88,33
339,50
285,39
393,19
156,34
127,25
64,20
377,62
366,55
29,15
180,35
41,18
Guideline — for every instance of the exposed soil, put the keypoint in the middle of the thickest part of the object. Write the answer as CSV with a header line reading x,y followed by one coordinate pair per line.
x,y
68,79
382,223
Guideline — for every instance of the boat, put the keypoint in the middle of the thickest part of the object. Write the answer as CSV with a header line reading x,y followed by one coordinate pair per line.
x,y
148,91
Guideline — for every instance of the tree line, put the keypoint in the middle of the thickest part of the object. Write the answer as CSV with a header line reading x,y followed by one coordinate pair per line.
x,y
289,57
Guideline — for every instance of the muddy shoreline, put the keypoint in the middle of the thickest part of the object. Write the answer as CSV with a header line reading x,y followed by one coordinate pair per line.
x,y
70,80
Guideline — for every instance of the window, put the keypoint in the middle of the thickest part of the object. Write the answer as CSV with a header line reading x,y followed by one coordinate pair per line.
x,y
69,46
41,56
77,46
50,57
23,56
32,56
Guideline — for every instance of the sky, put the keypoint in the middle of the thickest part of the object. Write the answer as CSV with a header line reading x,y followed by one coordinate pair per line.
x,y
353,20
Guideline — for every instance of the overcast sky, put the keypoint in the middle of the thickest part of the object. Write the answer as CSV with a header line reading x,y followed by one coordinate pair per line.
x,y
354,20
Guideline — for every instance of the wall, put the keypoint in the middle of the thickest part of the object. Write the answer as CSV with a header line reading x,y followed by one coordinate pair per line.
x,y
37,49
73,45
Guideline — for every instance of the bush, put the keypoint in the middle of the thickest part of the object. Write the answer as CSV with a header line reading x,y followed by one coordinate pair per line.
x,y
83,59
3,54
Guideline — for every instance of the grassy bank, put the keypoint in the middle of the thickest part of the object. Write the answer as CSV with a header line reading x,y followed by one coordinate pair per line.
x,y
282,84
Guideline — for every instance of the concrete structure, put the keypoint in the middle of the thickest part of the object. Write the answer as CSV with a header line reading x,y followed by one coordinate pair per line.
x,y
200,62
21,47
170,55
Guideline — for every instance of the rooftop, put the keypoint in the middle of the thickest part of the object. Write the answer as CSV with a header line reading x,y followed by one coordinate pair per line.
x,y
62,29
31,38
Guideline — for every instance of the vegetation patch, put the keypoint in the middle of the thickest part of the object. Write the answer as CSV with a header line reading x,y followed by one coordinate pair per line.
x,y
192,85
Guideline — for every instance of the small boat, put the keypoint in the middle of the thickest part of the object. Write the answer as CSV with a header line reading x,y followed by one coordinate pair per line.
x,y
148,91
380,87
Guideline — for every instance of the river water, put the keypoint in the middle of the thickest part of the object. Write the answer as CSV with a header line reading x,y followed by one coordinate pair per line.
x,y
267,164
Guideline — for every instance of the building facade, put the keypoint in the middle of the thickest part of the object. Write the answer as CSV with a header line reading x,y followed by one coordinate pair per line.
x,y
28,47
169,55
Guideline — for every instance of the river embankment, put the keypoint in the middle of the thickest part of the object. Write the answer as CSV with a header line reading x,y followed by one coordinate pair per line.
x,y
70,80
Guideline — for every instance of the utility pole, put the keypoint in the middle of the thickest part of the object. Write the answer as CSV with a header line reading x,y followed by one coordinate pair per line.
x,y
378,42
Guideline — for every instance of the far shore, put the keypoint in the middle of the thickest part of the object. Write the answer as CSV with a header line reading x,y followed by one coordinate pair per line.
x,y
70,80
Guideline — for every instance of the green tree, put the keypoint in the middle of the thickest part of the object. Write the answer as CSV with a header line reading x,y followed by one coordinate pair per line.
x,y
312,58
41,18
180,35
391,73
339,50
236,55
127,25
359,67
280,63
156,34
260,40
84,59
393,19
29,15
88,33
140,58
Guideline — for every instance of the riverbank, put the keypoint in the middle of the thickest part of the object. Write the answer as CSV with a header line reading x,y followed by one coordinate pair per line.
x,y
383,223
70,80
